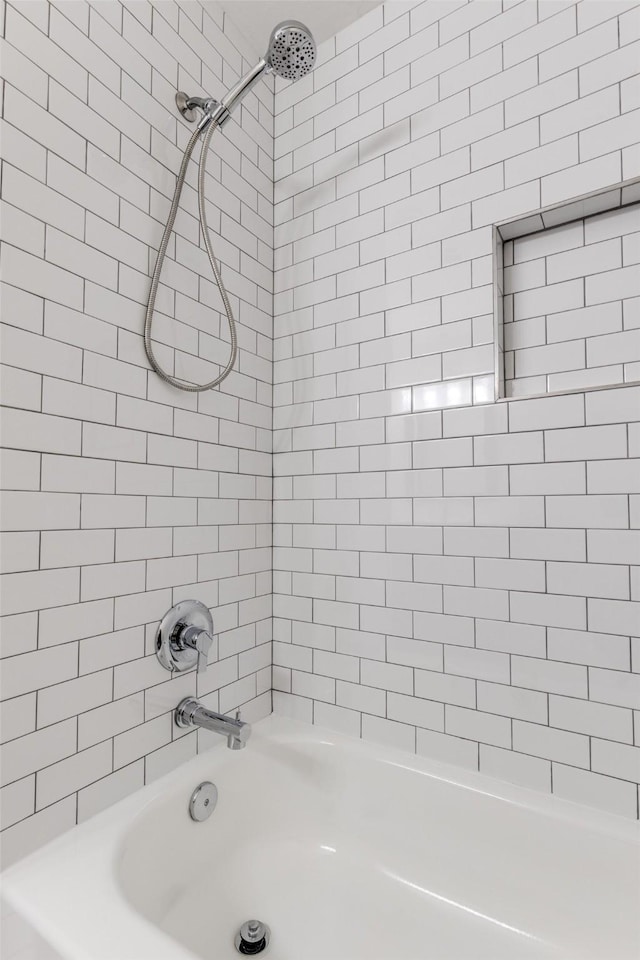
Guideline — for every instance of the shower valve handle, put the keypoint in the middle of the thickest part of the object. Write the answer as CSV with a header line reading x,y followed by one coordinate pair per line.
x,y
199,640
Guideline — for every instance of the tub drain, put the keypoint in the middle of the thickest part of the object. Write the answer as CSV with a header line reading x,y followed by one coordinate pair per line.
x,y
252,937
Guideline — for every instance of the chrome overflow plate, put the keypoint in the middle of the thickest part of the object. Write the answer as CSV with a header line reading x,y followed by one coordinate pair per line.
x,y
252,937
203,801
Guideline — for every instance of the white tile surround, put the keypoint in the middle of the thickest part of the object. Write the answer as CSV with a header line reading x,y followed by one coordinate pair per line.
x,y
568,322
121,495
459,582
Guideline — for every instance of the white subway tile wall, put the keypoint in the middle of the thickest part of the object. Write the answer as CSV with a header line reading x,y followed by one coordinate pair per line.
x,y
571,305
122,495
454,576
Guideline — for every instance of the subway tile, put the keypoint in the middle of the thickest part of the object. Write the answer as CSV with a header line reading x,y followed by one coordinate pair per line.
x,y
414,711
444,628
313,686
62,548
108,790
52,133
550,32
592,649
475,725
584,178
512,448
614,546
605,792
510,637
20,636
69,775
530,772
389,733
510,574
556,745
445,687
99,511
72,697
32,752
503,84
595,719
46,588
138,741
542,99
514,511
548,544
613,476
547,412
602,71
465,19
513,21
20,551
509,701
42,668
480,664
494,144
549,610
17,801
76,475
615,759
586,443
614,616
588,579
549,676
614,687
21,633
447,749
599,512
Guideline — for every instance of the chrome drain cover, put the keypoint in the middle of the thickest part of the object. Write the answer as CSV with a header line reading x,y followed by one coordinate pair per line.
x,y
252,937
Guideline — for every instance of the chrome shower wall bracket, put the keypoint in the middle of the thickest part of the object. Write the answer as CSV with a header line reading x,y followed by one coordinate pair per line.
x,y
210,108
183,104
189,106
185,636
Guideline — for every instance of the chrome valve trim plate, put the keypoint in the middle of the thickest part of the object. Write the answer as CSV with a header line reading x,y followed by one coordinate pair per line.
x,y
184,636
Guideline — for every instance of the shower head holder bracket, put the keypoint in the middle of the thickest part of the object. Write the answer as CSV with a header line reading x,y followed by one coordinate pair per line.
x,y
211,110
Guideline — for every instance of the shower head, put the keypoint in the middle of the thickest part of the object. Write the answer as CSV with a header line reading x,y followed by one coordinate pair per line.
x,y
291,54
292,50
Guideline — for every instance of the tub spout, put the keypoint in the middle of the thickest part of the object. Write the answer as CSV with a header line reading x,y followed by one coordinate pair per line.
x,y
191,713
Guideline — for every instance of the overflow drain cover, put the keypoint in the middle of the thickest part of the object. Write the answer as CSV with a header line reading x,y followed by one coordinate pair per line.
x,y
203,801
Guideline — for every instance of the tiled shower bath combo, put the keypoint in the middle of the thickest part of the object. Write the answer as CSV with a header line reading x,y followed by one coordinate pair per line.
x,y
338,440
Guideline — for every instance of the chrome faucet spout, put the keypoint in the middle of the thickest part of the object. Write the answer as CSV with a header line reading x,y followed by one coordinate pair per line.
x,y
191,713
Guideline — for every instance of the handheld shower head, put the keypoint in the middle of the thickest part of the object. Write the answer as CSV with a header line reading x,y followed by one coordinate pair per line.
x,y
291,54
292,51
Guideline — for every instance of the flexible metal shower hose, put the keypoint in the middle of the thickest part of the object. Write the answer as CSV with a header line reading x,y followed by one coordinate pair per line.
x,y
148,346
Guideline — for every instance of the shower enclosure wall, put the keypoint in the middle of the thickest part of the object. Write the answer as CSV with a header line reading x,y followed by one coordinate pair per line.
x,y
454,576
123,495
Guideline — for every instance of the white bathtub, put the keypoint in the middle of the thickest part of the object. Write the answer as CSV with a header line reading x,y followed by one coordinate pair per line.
x,y
348,851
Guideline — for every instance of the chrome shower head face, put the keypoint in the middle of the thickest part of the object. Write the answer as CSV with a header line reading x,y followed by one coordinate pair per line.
x,y
292,50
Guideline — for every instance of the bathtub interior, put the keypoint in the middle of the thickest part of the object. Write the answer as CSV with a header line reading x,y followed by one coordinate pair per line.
x,y
351,857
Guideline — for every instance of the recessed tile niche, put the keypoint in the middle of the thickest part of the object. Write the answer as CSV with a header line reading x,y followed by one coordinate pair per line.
x,y
567,305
